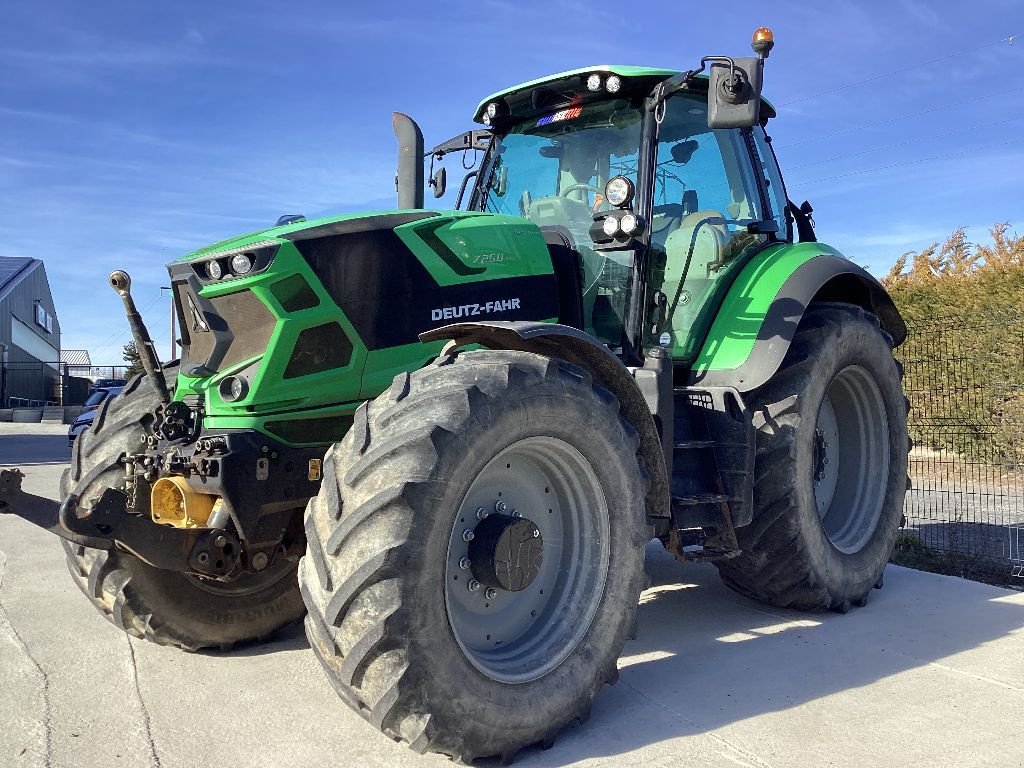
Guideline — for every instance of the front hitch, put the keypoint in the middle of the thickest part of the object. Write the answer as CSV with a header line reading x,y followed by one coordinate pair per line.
x,y
209,551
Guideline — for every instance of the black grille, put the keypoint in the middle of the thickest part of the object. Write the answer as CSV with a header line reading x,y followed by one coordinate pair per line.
x,y
319,349
326,429
221,332
294,294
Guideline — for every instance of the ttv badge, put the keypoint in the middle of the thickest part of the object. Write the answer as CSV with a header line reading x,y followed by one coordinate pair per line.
x,y
314,470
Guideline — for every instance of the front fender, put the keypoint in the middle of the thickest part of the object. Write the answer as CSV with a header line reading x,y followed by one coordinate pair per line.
x,y
582,349
759,317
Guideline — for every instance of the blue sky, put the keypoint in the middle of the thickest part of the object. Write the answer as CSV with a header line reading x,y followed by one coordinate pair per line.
x,y
131,133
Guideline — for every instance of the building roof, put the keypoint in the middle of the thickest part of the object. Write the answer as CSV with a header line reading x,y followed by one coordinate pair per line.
x,y
12,268
78,358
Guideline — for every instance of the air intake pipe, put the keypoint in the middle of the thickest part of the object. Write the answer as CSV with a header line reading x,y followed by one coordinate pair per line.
x,y
409,181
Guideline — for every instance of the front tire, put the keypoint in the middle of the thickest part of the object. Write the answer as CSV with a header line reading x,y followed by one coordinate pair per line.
x,y
830,468
166,607
411,631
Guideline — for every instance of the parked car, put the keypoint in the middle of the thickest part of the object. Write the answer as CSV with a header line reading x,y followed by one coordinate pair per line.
x,y
92,402
107,384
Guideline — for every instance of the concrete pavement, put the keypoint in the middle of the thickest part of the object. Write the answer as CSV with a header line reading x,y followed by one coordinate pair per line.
x,y
930,673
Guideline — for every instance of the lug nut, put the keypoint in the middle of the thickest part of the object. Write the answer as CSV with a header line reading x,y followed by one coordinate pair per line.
x,y
481,513
516,513
474,585
203,558
491,593
465,563
500,506
468,535
259,561
220,541
536,533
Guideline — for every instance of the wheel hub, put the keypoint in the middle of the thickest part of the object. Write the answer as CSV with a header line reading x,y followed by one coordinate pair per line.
x,y
506,552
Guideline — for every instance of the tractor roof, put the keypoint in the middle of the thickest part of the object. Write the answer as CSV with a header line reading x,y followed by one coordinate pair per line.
x,y
520,97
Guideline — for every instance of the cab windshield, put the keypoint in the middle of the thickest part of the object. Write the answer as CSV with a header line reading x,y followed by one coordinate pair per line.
x,y
552,170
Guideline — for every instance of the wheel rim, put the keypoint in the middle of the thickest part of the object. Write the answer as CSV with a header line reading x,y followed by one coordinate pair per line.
x,y
518,636
850,469
247,584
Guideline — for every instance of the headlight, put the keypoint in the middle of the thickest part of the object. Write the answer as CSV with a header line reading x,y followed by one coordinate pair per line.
x,y
613,83
241,263
594,82
213,270
232,388
630,223
610,226
619,191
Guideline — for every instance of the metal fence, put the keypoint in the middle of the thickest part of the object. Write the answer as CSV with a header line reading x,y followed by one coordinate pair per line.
x,y
36,384
964,377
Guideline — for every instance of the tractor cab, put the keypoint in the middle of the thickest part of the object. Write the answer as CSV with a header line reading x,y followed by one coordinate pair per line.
x,y
646,176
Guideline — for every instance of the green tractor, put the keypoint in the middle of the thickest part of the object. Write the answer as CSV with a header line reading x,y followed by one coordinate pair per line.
x,y
619,339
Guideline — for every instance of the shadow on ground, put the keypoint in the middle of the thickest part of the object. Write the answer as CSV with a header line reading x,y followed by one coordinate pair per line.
x,y
706,657
17,449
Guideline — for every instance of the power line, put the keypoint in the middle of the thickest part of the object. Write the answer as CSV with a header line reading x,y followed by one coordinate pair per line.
x,y
908,162
929,137
120,334
1009,39
904,116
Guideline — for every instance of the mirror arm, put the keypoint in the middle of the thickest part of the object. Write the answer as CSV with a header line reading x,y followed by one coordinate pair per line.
x,y
476,140
666,88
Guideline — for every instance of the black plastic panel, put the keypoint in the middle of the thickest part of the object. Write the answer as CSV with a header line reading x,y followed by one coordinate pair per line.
x,y
321,348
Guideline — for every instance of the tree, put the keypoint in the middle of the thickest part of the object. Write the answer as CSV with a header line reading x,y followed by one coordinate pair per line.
x,y
132,357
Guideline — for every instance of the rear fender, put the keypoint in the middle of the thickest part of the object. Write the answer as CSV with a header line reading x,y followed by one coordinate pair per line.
x,y
760,315
579,348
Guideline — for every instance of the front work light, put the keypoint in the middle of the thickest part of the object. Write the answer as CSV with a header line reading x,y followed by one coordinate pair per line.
x,y
610,226
630,224
213,270
613,84
241,263
232,389
619,191
594,82
492,110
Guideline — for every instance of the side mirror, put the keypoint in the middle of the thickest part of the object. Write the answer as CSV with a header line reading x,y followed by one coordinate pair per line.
x,y
439,181
734,92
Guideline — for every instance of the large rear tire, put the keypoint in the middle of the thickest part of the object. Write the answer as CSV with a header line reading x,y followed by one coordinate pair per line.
x,y
412,633
163,606
830,468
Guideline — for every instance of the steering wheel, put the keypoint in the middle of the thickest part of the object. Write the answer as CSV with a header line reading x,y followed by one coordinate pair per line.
x,y
573,187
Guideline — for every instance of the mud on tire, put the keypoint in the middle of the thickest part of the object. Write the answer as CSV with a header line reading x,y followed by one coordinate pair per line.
x,y
381,579
163,606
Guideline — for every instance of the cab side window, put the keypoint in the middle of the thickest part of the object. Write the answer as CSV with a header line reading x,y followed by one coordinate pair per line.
x,y
777,198
705,196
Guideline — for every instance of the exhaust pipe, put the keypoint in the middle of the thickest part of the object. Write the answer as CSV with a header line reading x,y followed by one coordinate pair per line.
x,y
409,181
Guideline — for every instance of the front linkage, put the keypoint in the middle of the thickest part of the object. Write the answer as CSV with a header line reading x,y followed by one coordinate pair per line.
x,y
218,505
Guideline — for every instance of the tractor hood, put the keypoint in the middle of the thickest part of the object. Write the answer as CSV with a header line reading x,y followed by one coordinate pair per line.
x,y
347,222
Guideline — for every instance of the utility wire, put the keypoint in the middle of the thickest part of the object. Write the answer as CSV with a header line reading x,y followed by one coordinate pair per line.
x,y
1009,39
929,137
120,334
908,162
904,116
